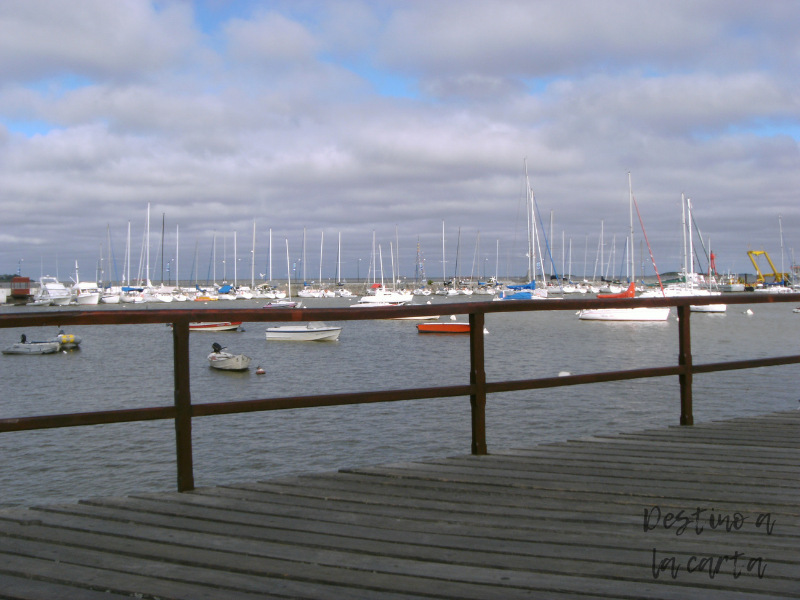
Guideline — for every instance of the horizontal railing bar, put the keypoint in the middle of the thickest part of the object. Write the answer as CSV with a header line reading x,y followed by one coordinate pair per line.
x,y
65,317
551,382
746,364
91,418
242,406
292,402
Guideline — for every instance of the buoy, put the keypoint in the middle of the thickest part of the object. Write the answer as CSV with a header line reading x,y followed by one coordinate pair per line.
x,y
564,373
429,301
485,331
748,312
259,371
452,317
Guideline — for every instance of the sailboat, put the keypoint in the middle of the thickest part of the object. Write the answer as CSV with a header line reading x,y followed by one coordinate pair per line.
x,y
640,313
689,286
286,303
527,291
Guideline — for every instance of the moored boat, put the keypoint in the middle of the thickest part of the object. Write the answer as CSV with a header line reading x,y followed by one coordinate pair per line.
x,y
225,361
23,346
313,332
443,327
215,326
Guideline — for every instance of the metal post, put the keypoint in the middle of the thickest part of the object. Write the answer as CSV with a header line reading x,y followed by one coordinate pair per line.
x,y
183,406
477,377
685,360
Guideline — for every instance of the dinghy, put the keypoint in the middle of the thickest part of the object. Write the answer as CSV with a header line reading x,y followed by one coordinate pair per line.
x,y
225,361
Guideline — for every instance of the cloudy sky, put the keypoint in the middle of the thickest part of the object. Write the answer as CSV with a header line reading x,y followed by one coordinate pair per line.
x,y
356,117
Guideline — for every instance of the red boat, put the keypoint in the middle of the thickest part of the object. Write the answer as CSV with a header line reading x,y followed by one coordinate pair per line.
x,y
443,328
629,293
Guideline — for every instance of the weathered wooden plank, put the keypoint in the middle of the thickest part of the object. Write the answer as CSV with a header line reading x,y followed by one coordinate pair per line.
x,y
22,588
248,572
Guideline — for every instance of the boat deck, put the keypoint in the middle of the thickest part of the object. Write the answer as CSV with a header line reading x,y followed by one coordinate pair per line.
x,y
563,520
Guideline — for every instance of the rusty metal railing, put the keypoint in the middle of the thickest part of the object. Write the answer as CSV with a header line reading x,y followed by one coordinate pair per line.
x,y
183,411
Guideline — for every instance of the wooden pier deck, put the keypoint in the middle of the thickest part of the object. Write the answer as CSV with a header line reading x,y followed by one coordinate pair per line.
x,y
563,520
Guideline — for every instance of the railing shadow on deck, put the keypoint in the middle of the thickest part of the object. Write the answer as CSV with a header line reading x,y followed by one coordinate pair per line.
x,y
183,410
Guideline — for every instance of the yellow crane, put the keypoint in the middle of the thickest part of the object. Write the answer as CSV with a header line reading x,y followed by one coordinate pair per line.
x,y
760,276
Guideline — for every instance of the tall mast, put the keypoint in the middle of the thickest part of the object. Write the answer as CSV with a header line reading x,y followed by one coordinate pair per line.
x,y
253,260
391,255
683,223
444,272
691,249
128,257
235,273
497,262
214,254
339,260
397,248
551,244
147,252
780,225
270,255
224,257
304,255
630,254
177,241
321,240
380,255
163,216
531,224
288,271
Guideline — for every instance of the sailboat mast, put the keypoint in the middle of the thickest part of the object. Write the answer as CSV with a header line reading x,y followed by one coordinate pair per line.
x,y
147,252
288,272
304,255
128,257
531,224
380,254
397,248
253,260
497,262
780,225
214,254
339,260
683,223
630,202
235,261
163,216
444,272
691,249
551,244
177,242
321,240
270,255
391,255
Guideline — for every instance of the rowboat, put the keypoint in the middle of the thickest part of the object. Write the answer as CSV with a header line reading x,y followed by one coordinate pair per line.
x,y
313,332
215,326
443,327
225,361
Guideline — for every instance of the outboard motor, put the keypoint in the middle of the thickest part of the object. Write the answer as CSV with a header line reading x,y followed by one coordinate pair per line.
x,y
23,338
217,348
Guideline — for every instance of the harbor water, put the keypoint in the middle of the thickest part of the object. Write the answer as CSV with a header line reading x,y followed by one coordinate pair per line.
x,y
130,366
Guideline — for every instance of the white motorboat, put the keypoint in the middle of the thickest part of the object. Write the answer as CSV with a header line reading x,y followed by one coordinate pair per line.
x,y
225,361
23,346
50,287
86,293
313,332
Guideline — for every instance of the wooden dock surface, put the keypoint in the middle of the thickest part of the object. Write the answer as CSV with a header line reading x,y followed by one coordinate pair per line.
x,y
563,520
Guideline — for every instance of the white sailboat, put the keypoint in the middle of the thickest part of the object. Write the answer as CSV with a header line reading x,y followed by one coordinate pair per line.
x,y
640,313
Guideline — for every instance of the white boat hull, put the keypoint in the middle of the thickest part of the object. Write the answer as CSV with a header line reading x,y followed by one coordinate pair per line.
x,y
625,314
225,361
299,333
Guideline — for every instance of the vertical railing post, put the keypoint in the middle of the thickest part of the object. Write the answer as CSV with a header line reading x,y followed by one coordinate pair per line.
x,y
183,406
685,360
477,377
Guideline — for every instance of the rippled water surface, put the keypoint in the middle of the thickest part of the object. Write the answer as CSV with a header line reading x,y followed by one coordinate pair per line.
x,y
128,366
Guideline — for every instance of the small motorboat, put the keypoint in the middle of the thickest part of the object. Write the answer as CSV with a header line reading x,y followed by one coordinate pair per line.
x,y
283,304
23,346
313,332
225,361
796,310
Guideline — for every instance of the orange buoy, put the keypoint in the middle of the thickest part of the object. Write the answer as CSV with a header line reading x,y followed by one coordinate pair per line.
x,y
259,371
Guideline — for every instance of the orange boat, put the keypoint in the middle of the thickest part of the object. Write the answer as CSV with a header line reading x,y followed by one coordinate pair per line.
x,y
443,328
629,293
